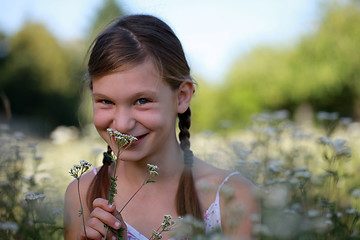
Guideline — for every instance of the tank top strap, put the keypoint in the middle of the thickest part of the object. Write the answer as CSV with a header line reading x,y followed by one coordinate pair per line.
x,y
222,184
95,170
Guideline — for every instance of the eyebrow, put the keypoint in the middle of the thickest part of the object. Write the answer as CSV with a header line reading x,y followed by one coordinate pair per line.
x,y
136,95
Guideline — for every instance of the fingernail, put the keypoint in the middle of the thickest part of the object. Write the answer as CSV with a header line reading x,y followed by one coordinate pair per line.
x,y
117,224
113,238
110,206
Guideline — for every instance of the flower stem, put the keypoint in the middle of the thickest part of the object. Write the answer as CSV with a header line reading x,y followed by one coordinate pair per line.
x,y
134,195
33,218
81,207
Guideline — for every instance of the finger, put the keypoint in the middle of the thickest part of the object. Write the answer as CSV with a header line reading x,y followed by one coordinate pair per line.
x,y
104,204
90,233
123,224
105,218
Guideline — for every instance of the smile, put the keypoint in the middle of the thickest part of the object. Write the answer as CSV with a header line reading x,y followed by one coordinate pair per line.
x,y
140,139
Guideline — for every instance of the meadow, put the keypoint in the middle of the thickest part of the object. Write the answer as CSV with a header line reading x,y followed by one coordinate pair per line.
x,y
306,176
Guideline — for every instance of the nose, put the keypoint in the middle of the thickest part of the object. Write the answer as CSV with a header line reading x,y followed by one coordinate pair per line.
x,y
123,120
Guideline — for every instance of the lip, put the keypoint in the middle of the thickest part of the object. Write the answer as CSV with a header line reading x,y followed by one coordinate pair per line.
x,y
140,140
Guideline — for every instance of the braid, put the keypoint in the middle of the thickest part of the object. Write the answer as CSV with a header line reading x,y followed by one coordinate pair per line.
x,y
101,182
184,126
187,201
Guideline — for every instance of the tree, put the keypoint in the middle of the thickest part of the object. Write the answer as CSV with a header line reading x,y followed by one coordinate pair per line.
x,y
323,69
36,79
106,13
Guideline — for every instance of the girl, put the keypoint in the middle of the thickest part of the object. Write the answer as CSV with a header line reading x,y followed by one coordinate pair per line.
x,y
140,83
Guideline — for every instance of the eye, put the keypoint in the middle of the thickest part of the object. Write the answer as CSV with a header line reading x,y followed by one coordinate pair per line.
x,y
142,101
104,101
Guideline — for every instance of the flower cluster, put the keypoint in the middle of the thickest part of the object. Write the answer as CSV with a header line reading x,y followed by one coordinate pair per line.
x,y
166,224
153,170
77,170
30,196
121,139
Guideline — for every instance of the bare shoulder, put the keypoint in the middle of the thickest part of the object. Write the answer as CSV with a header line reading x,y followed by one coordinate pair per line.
x,y
211,174
209,178
81,184
238,198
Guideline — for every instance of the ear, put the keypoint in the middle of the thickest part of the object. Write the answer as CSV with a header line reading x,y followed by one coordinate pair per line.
x,y
184,95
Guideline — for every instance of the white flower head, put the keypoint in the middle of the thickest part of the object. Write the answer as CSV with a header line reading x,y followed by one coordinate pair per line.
x,y
356,193
9,226
153,170
30,196
156,235
167,222
121,139
153,173
77,170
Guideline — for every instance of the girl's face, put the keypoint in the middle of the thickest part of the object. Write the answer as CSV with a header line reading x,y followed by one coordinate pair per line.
x,y
136,102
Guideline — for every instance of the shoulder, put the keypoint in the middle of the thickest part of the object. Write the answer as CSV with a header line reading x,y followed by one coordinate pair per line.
x,y
205,172
72,203
209,178
83,184
238,198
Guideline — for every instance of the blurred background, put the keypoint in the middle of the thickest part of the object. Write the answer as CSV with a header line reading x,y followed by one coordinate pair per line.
x,y
247,56
272,77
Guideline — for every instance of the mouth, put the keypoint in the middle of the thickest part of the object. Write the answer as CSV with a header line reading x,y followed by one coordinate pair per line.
x,y
140,138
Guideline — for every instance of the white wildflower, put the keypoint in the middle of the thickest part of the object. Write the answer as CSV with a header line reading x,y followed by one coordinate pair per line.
x,y
9,226
351,211
303,175
313,213
340,148
30,196
356,193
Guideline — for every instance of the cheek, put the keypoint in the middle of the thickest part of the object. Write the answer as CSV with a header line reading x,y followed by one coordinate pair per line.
x,y
158,120
101,119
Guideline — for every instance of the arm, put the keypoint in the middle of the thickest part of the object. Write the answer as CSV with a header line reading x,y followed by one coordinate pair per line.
x,y
239,204
72,222
94,221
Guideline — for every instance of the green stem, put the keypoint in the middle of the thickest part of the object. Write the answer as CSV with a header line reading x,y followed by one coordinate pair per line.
x,y
111,200
81,208
33,217
146,179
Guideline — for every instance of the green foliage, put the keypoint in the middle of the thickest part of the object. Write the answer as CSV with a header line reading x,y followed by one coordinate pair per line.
x,y
36,79
38,59
106,13
204,107
323,69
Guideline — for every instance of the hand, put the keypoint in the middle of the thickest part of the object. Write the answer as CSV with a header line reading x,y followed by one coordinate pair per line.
x,y
101,215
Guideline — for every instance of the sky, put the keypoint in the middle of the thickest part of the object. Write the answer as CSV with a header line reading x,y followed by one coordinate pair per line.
x,y
214,33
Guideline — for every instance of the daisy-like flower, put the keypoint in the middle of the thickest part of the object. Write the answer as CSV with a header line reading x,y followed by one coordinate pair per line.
x,y
156,235
165,226
30,196
153,170
77,170
167,222
121,140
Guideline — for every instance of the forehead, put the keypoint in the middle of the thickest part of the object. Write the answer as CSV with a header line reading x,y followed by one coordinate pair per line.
x,y
139,77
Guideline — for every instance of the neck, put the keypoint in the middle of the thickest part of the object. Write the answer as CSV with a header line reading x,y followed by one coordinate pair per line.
x,y
170,162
